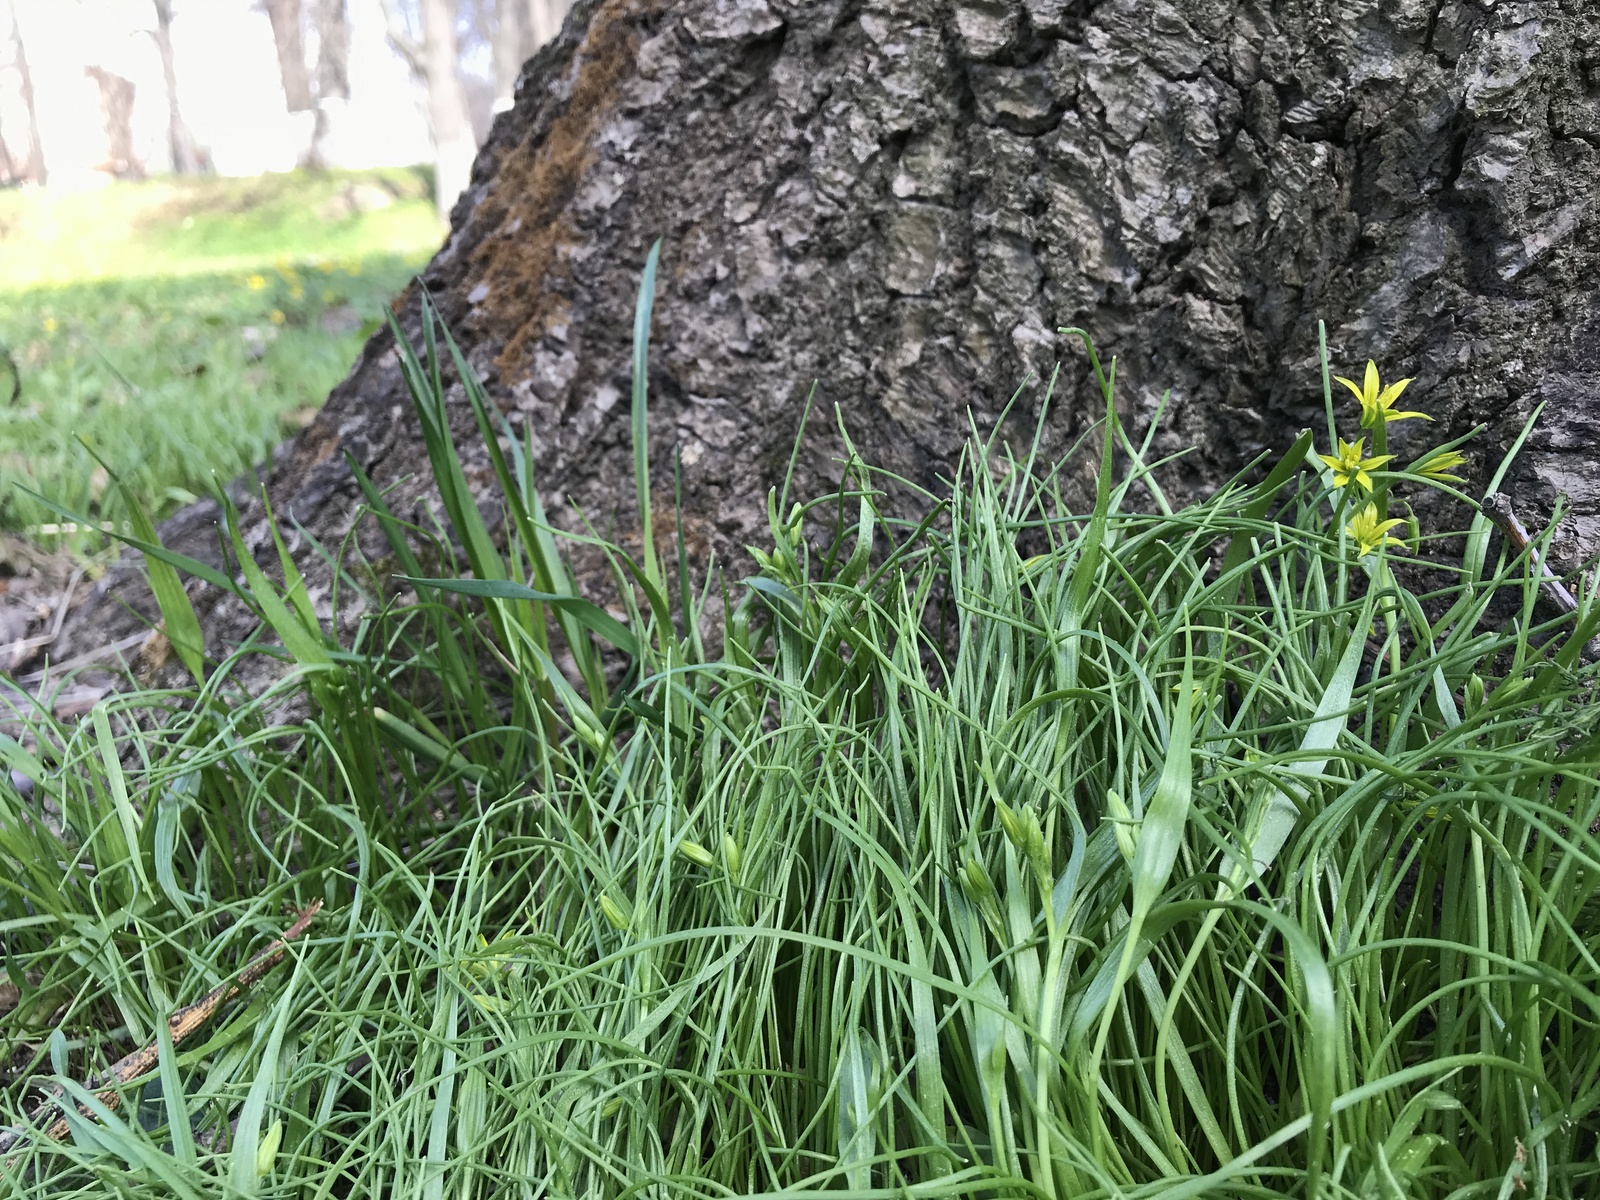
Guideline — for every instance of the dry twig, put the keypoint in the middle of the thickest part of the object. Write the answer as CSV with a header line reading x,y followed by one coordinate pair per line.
x,y
180,1025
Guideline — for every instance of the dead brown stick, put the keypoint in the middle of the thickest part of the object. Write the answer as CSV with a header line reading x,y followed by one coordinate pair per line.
x,y
180,1025
1497,507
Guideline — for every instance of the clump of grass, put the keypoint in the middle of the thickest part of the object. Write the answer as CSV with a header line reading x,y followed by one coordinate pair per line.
x,y
1009,851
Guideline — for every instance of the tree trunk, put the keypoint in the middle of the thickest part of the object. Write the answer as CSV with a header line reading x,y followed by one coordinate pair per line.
x,y
902,201
185,157
289,39
543,23
116,115
333,50
510,38
36,171
454,146
329,81
434,60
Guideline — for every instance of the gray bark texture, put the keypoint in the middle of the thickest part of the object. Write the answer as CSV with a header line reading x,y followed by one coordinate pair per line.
x,y
902,200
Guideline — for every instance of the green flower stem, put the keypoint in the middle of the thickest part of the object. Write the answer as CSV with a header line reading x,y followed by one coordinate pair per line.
x,y
1380,446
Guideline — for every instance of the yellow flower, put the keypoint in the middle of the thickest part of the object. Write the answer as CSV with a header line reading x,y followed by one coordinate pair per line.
x,y
256,282
1370,533
277,317
1439,465
51,325
296,292
326,267
353,267
1378,404
1348,463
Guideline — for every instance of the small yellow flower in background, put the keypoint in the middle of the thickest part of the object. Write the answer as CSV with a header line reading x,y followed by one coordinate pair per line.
x,y
1439,465
326,267
328,297
296,292
352,267
1370,533
51,324
277,317
1348,463
256,282
1377,403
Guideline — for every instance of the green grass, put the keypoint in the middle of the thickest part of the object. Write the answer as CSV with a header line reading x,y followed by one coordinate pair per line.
x,y
125,312
1019,851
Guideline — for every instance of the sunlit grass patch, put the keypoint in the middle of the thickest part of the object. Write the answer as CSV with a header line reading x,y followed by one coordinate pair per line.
x,y
186,327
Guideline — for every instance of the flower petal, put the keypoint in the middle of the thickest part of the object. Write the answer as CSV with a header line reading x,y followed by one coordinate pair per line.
x,y
1404,416
1391,393
1369,388
1356,391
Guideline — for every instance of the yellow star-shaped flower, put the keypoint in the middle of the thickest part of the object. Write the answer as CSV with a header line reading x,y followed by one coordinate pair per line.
x,y
1377,403
1370,533
1348,463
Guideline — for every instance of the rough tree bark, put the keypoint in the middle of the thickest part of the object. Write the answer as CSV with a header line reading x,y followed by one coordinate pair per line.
x,y
903,199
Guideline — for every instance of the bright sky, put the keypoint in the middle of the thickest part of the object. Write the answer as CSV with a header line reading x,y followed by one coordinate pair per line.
x,y
229,88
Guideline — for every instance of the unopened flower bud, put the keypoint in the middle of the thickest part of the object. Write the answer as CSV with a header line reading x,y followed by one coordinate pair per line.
x,y
1123,825
695,853
612,911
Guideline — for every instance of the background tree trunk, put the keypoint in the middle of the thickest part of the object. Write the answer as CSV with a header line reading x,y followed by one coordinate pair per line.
x,y
289,39
903,201
433,58
186,158
510,40
454,147
311,84
333,50
36,171
543,23
521,28
116,113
